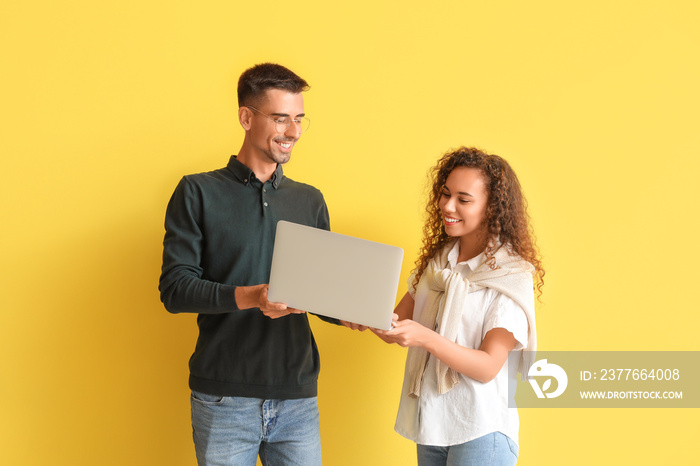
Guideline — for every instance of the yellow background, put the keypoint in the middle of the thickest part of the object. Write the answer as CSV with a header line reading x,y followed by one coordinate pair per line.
x,y
104,105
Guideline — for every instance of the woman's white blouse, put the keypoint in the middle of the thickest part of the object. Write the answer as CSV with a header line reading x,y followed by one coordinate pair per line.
x,y
472,408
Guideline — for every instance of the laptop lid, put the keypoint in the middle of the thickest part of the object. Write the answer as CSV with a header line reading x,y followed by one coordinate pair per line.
x,y
335,275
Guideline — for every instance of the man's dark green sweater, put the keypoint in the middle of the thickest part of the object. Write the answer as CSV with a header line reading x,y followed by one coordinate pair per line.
x,y
219,234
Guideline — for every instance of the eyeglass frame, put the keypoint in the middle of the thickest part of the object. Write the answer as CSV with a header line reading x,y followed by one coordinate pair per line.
x,y
289,123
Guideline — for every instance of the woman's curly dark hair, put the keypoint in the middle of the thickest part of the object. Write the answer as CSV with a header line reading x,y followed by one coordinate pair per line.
x,y
506,211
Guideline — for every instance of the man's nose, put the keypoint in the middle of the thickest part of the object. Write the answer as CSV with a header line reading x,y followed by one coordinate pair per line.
x,y
294,130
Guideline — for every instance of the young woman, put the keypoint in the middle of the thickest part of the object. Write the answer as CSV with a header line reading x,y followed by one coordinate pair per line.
x,y
470,302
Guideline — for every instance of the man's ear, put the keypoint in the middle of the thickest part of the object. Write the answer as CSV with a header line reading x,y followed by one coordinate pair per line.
x,y
245,116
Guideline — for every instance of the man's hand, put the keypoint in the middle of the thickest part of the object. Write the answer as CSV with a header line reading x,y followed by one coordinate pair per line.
x,y
354,326
248,297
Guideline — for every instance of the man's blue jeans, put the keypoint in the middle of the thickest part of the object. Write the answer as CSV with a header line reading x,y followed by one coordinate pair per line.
x,y
234,431
494,449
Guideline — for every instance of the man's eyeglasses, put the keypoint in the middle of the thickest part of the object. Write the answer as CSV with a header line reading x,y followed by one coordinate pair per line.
x,y
282,123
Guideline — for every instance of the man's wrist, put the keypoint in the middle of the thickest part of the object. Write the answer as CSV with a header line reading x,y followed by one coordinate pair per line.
x,y
247,296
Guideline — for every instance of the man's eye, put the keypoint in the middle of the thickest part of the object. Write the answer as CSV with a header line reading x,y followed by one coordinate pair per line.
x,y
282,121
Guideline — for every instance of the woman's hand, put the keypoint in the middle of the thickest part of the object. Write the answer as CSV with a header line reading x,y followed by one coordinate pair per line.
x,y
408,333
403,312
381,333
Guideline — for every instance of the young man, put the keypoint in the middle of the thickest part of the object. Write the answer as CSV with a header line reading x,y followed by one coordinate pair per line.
x,y
254,369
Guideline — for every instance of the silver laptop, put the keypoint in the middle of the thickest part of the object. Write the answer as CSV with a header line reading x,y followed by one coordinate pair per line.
x,y
335,275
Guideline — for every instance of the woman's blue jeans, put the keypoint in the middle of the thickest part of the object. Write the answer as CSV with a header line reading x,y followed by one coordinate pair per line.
x,y
494,449
234,431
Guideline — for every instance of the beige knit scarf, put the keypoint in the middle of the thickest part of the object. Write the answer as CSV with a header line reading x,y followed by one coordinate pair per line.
x,y
511,276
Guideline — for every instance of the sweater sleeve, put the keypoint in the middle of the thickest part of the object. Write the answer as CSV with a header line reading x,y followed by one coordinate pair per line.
x,y
182,288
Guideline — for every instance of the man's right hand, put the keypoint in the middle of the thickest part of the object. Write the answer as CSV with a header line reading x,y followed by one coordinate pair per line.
x,y
248,297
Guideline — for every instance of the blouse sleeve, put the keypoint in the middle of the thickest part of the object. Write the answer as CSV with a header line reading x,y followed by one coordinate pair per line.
x,y
411,287
506,313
